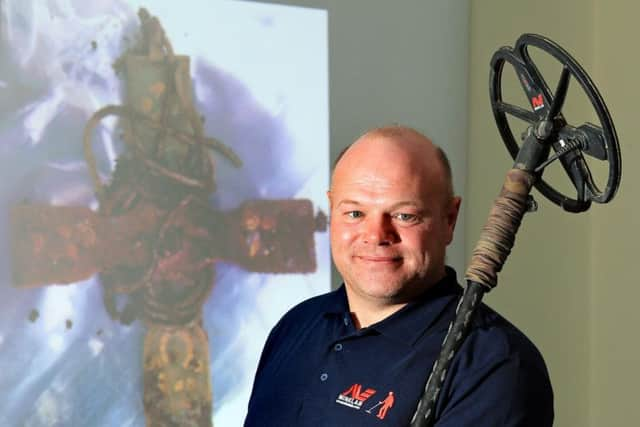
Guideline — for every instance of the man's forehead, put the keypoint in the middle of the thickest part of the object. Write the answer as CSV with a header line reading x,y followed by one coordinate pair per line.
x,y
400,143
380,156
395,149
391,144
389,187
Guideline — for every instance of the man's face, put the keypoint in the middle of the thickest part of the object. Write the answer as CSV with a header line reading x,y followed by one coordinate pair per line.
x,y
391,220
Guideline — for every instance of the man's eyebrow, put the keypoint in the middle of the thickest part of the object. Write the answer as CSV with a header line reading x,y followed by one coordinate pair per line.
x,y
408,203
348,202
401,204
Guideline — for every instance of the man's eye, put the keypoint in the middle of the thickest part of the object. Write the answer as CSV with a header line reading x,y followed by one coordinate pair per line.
x,y
354,214
405,217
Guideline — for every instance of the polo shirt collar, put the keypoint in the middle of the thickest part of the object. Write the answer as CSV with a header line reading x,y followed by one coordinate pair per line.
x,y
412,321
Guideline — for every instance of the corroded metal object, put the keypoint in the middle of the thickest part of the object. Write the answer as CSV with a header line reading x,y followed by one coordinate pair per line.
x,y
176,376
154,238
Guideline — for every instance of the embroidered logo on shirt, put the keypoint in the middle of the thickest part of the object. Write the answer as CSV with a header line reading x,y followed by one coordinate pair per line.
x,y
354,397
387,403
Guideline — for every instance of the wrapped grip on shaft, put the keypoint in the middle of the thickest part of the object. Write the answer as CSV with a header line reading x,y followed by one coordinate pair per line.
x,y
498,235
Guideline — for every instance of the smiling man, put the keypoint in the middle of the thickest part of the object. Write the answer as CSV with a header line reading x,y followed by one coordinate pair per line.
x,y
360,356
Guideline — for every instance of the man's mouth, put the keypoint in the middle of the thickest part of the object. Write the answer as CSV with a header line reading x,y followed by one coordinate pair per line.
x,y
380,259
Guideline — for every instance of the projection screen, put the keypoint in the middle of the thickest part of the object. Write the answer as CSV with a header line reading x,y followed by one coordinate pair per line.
x,y
100,277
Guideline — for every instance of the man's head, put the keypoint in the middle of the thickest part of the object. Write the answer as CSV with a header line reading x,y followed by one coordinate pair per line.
x,y
393,213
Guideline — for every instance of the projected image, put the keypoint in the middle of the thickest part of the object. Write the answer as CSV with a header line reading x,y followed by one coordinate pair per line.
x,y
162,203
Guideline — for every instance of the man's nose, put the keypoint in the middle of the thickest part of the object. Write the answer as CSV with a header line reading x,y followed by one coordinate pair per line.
x,y
379,230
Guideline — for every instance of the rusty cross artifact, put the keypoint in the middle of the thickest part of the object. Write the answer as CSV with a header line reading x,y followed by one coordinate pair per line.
x,y
154,238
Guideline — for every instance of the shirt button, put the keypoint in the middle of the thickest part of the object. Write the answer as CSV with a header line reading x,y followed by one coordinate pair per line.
x,y
324,376
346,320
337,347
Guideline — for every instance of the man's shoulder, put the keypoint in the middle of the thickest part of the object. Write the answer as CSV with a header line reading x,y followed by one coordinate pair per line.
x,y
500,370
319,304
497,370
310,311
494,340
300,321
491,334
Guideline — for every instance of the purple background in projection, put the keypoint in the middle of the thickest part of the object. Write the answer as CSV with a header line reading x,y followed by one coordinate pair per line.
x,y
52,375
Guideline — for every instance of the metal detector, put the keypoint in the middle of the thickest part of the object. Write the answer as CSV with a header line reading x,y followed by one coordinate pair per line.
x,y
549,137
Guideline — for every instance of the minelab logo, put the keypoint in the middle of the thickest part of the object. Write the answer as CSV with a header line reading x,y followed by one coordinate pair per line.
x,y
354,397
383,406
537,102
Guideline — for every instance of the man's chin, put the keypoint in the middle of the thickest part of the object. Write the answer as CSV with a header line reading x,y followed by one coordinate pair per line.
x,y
381,291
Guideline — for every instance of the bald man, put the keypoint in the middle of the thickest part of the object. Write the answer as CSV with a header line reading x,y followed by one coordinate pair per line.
x,y
331,360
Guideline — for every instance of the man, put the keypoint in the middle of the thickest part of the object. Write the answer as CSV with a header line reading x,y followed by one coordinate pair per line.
x,y
338,359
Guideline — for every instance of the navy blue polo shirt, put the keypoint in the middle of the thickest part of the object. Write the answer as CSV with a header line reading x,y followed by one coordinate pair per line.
x,y
317,369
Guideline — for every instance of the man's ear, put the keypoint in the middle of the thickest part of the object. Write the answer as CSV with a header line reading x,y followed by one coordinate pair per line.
x,y
329,197
452,216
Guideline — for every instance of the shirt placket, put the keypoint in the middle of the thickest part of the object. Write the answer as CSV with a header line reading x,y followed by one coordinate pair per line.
x,y
319,401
